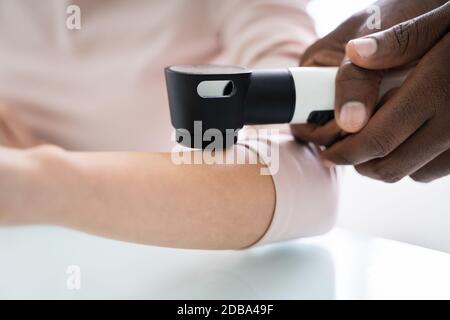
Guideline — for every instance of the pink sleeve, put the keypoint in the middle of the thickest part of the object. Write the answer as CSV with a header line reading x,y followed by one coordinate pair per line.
x,y
262,33
306,192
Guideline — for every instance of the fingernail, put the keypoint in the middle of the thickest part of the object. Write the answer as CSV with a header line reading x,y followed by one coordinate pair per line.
x,y
365,47
328,164
353,116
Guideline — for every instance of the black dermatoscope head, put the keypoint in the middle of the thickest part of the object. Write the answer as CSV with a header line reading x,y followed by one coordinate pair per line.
x,y
207,99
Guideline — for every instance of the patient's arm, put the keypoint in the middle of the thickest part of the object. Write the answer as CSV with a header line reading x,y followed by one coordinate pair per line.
x,y
13,133
139,197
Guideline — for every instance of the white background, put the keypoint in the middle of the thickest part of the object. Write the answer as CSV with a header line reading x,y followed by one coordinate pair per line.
x,y
405,211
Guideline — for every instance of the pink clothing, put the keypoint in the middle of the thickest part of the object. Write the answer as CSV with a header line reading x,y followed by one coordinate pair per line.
x,y
102,87
306,192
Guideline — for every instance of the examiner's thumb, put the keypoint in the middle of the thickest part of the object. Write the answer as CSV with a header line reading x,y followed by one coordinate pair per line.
x,y
401,44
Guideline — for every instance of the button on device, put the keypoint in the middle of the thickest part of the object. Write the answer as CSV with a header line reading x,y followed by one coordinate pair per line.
x,y
321,117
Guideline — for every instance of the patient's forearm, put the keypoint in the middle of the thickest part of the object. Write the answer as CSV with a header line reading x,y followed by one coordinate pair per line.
x,y
146,198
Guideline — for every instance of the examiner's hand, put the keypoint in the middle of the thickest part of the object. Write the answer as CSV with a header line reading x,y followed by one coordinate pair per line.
x,y
409,131
13,133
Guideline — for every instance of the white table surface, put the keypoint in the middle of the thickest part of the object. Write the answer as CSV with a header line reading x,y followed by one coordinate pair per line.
x,y
339,265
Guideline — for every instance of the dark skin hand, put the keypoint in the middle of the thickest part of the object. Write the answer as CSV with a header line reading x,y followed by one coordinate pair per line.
x,y
408,132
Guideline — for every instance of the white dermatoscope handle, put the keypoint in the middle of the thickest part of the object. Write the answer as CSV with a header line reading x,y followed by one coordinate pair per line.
x,y
315,89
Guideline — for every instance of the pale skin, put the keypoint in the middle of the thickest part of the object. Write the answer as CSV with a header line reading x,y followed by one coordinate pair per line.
x,y
138,197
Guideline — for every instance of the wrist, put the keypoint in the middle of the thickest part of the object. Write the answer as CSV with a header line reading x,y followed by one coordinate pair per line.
x,y
45,185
